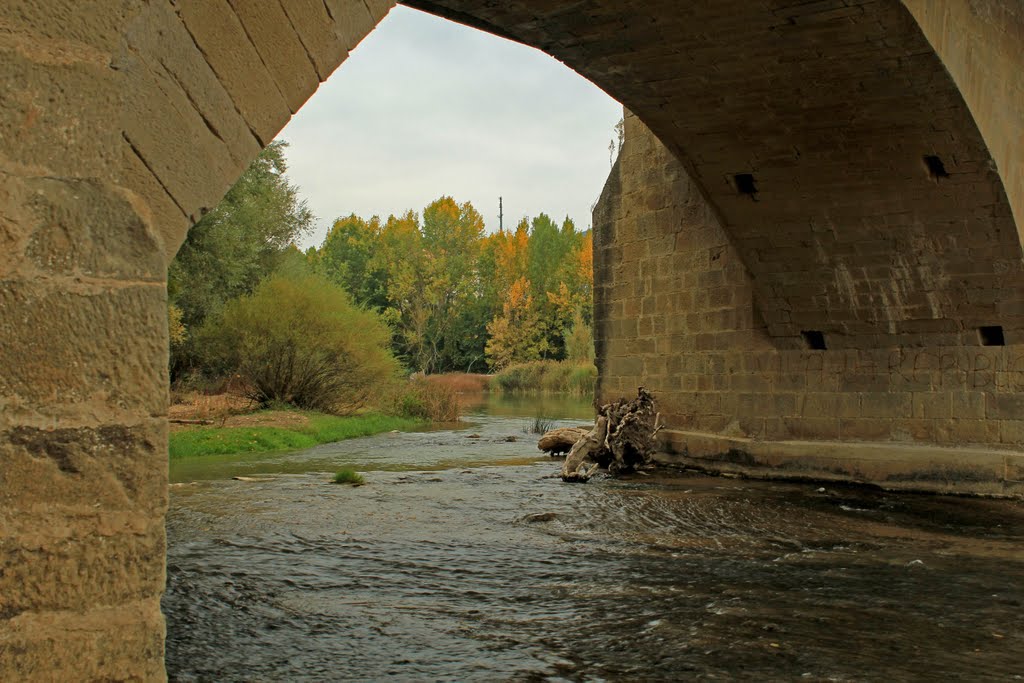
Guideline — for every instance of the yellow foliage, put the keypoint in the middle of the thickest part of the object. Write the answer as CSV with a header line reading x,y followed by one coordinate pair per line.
x,y
175,327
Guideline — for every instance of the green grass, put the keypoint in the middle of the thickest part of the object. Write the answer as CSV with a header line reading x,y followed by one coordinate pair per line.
x,y
349,476
540,425
320,429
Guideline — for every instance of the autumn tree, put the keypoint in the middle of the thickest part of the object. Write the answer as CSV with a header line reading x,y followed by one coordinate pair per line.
x,y
515,335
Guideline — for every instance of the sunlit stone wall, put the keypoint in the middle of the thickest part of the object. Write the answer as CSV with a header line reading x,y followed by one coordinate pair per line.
x,y
119,122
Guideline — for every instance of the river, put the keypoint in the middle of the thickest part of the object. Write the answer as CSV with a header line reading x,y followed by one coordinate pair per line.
x,y
465,558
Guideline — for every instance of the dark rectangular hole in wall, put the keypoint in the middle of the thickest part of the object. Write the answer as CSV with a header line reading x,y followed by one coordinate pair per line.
x,y
991,335
936,169
745,184
814,339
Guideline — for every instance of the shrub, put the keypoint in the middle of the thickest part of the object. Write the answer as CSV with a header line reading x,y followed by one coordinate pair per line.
x,y
301,340
425,400
547,375
348,476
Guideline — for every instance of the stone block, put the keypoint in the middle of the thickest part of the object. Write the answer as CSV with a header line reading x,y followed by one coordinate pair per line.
x,y
97,469
220,35
83,569
865,429
886,405
914,430
159,39
155,206
355,20
82,228
273,27
102,351
956,431
813,428
108,643
1004,406
157,118
1012,432
69,23
968,404
937,405
56,119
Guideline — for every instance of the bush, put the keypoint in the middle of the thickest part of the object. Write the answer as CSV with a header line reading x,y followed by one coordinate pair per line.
x,y
547,375
422,399
300,340
348,476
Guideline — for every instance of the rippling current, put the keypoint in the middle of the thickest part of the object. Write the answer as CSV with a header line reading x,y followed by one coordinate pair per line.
x,y
464,559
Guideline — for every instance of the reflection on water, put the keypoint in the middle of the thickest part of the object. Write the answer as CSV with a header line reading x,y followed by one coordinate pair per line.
x,y
554,406
464,559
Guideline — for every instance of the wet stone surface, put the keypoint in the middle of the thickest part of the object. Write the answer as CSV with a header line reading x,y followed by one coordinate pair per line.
x,y
489,568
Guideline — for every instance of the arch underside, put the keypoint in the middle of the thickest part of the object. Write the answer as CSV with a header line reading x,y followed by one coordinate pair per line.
x,y
830,109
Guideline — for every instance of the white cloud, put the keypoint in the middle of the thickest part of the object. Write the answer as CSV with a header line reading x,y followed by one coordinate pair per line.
x,y
425,107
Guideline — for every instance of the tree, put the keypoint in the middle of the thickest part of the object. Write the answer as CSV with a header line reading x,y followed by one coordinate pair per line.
x,y
433,285
515,335
235,245
579,341
348,257
301,340
452,234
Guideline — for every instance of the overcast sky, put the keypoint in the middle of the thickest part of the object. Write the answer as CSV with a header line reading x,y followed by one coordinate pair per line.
x,y
424,107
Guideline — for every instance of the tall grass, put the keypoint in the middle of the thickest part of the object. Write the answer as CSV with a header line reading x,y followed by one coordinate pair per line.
x,y
540,425
423,399
547,375
461,382
320,429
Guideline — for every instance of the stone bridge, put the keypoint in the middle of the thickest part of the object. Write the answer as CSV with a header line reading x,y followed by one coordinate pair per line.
x,y
810,249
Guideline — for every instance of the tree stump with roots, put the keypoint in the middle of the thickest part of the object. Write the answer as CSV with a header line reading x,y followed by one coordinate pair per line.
x,y
622,441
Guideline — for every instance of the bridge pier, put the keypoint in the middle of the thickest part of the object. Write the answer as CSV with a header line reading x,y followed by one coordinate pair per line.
x,y
677,310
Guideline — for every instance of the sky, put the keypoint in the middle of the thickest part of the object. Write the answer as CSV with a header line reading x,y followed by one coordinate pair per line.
x,y
425,107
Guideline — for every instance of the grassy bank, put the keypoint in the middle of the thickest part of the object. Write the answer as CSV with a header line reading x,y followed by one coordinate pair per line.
x,y
318,428
566,377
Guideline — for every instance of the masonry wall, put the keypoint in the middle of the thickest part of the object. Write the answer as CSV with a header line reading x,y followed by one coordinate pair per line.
x,y
120,122
677,312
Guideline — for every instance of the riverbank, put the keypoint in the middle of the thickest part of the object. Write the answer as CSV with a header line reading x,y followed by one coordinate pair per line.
x,y
270,431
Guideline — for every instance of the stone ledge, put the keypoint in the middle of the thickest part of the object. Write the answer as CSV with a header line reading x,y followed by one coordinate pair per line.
x,y
901,467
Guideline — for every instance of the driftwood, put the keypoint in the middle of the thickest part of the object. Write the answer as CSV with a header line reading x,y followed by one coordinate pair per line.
x,y
181,421
621,441
560,441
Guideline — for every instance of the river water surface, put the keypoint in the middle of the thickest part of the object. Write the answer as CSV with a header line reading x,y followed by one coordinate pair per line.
x,y
465,558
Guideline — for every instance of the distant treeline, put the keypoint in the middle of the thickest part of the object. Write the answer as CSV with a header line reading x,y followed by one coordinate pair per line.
x,y
446,295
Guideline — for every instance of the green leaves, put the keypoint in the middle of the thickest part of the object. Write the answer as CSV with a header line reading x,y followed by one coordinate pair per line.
x,y
236,245
301,340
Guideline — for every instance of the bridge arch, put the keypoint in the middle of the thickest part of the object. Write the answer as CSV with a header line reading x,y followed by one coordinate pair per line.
x,y
847,168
